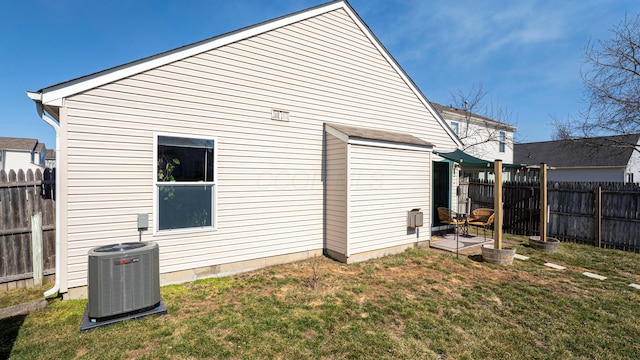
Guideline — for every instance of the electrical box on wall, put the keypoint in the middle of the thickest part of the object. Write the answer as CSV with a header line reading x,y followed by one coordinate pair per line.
x,y
143,222
414,218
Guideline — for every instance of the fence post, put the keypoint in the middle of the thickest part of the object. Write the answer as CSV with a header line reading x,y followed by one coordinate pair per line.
x,y
36,248
598,222
543,202
497,204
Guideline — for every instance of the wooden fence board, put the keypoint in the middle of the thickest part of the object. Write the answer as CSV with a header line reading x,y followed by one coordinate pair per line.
x,y
5,247
22,195
572,212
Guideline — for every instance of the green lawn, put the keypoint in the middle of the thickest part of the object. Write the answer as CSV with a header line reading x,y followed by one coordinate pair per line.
x,y
420,304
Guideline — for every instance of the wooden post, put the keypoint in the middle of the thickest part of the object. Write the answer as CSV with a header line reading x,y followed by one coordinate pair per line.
x,y
598,206
543,202
497,204
36,248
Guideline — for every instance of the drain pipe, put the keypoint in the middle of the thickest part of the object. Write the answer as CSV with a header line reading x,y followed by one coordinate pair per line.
x,y
36,97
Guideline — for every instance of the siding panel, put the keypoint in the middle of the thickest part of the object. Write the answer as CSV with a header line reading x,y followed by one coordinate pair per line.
x,y
320,70
381,196
337,196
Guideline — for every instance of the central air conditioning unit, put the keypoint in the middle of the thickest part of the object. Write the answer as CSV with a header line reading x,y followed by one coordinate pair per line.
x,y
124,279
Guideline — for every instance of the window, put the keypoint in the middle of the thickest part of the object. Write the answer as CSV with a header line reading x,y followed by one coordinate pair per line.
x,y
502,141
629,177
455,127
185,182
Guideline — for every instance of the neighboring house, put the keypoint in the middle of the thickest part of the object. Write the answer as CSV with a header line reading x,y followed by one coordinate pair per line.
x,y
608,158
288,139
21,153
50,158
482,137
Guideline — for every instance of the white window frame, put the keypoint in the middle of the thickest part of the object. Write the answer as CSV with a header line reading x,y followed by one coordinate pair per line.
x,y
214,187
502,141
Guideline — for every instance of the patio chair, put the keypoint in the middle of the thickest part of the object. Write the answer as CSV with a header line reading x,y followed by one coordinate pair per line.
x,y
450,217
481,217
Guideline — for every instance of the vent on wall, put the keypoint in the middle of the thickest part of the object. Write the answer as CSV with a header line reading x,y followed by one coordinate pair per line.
x,y
279,115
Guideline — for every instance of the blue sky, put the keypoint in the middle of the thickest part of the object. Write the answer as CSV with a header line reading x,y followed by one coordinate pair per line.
x,y
526,53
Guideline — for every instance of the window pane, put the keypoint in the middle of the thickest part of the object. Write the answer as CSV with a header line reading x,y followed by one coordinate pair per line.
x,y
455,127
178,163
184,206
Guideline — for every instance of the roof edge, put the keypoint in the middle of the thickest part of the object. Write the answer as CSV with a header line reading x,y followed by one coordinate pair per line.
x,y
53,95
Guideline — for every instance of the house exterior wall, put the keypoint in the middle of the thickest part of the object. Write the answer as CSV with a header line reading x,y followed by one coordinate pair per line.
x,y
16,160
614,174
633,167
270,190
488,150
337,195
385,184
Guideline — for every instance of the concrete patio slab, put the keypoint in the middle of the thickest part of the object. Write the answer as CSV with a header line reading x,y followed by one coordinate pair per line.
x,y
448,242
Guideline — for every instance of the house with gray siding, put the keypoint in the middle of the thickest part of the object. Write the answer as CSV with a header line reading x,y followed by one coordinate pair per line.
x,y
603,159
292,138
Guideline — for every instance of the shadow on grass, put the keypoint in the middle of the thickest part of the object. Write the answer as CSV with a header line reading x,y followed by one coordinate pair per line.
x,y
476,257
9,329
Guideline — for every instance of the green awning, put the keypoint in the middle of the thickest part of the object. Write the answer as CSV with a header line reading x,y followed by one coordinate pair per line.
x,y
467,160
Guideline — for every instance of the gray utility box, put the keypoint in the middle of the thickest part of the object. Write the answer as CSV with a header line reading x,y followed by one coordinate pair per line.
x,y
123,279
414,218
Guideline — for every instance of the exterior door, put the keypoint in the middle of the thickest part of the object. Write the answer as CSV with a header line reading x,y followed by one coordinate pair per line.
x,y
441,188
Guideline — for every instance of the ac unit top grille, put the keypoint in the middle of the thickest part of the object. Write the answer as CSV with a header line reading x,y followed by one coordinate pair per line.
x,y
120,247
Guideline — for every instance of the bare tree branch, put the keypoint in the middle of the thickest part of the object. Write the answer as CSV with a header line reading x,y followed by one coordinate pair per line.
x,y
611,77
486,128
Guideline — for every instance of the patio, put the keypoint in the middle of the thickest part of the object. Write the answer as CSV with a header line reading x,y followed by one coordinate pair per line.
x,y
464,243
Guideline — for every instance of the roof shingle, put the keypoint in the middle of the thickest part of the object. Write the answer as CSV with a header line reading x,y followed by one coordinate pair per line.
x,y
19,144
598,151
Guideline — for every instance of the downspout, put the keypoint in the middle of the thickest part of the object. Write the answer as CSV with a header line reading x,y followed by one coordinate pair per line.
x,y
56,126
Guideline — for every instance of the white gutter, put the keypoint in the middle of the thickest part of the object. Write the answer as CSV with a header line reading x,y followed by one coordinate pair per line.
x,y
36,97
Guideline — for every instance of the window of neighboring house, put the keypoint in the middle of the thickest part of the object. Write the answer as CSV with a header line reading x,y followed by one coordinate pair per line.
x,y
185,182
1,160
455,127
501,145
629,177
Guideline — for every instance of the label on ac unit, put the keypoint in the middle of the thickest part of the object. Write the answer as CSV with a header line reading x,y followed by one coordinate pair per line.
x,y
126,261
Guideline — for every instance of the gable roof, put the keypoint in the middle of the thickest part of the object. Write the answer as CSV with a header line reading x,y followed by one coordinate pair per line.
x,y
463,114
605,151
51,97
20,144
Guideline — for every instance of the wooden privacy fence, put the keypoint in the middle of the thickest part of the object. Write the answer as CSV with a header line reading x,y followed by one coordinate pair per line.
x,y
22,197
602,214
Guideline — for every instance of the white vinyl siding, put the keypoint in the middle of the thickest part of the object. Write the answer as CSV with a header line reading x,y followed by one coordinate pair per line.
x,y
337,162
384,185
270,189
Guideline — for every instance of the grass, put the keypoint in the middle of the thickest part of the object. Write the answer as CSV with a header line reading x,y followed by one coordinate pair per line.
x,y
420,304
